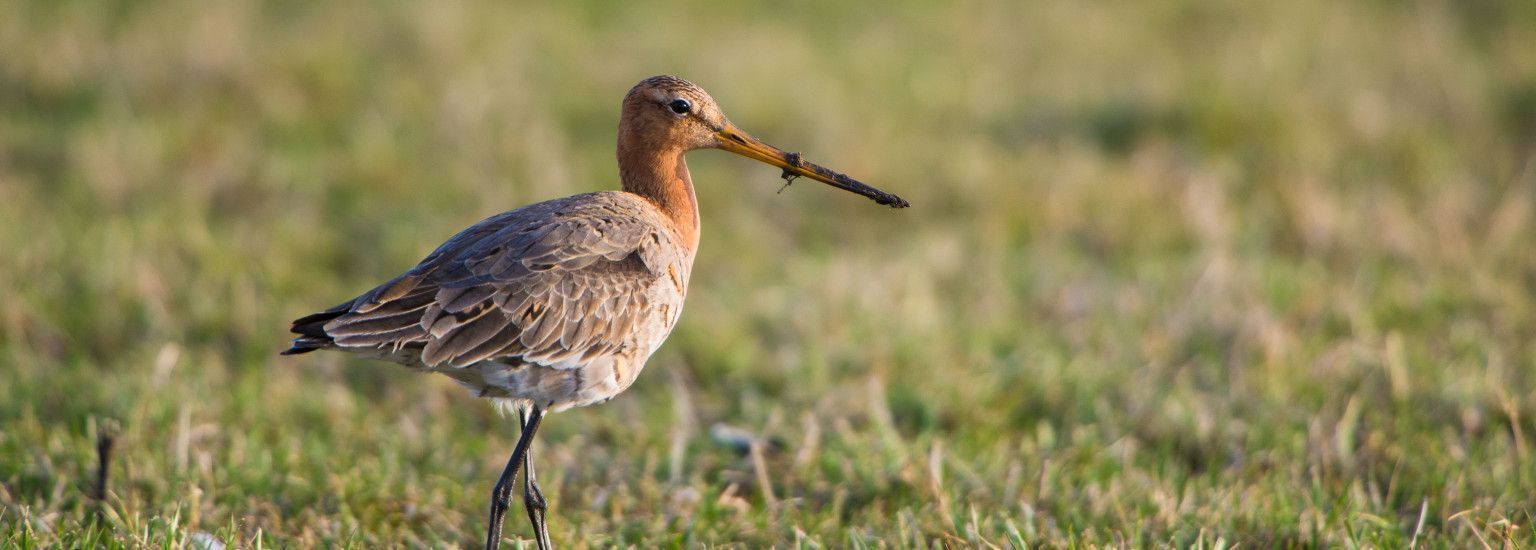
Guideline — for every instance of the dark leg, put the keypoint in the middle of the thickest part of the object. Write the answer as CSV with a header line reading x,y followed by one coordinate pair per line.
x,y
503,490
533,498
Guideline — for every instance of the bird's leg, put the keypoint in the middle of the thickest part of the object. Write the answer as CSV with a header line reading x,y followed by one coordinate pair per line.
x,y
533,498
503,490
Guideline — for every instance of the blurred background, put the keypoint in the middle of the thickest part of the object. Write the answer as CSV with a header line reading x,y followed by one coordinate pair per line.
x,y
1176,272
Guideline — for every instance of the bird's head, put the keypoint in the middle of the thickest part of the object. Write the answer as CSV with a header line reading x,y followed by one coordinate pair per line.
x,y
667,111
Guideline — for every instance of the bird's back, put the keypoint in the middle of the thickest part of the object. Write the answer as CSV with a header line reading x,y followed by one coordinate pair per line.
x,y
558,302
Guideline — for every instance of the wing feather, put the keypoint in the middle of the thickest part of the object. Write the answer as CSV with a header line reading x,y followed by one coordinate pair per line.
x,y
554,284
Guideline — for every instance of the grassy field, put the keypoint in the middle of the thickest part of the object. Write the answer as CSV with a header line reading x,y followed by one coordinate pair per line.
x,y
1177,272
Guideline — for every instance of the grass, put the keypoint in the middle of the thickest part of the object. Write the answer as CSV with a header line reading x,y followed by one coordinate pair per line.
x,y
1178,273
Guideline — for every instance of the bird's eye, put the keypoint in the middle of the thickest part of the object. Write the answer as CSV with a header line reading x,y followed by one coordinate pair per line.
x,y
680,106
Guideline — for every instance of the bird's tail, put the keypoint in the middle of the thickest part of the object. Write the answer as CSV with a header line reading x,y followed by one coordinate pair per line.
x,y
311,330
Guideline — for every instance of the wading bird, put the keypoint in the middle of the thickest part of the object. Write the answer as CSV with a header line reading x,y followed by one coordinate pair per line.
x,y
559,304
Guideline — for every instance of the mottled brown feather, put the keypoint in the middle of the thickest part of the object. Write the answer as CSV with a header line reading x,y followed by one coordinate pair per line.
x,y
553,284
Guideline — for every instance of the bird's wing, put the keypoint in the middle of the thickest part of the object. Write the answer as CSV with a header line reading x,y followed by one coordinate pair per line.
x,y
552,284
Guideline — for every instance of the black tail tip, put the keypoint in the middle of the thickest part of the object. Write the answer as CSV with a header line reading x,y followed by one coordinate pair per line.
x,y
298,349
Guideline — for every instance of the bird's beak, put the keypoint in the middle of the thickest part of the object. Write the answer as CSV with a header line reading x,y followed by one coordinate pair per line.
x,y
736,141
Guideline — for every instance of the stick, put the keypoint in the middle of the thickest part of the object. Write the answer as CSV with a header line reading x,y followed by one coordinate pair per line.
x,y
106,437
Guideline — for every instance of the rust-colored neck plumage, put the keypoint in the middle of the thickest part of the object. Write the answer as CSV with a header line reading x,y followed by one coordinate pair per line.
x,y
658,172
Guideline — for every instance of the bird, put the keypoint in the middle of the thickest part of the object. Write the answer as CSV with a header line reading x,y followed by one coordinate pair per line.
x,y
559,304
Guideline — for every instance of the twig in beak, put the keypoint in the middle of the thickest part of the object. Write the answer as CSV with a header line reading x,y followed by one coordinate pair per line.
x,y
789,176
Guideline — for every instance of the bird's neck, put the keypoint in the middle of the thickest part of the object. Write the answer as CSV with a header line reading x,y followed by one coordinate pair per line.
x,y
662,177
